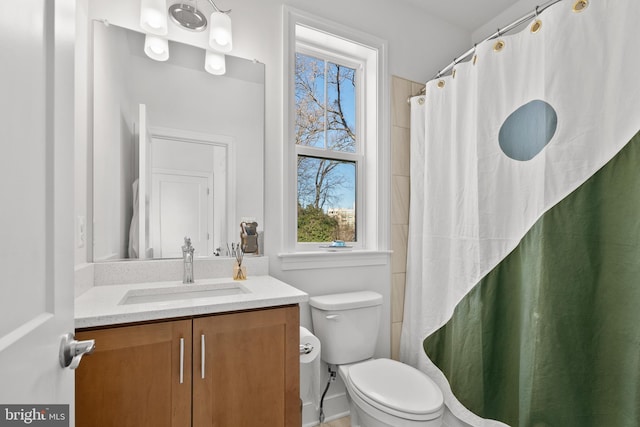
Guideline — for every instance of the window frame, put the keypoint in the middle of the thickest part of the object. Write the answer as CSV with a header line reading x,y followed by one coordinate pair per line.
x,y
373,175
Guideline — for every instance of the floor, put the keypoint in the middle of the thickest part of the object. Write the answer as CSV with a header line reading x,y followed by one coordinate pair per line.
x,y
342,422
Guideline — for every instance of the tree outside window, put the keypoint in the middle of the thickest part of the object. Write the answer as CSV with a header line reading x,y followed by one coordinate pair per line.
x,y
327,149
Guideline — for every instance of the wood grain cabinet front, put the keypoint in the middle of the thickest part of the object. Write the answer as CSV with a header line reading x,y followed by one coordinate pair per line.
x,y
246,369
238,369
133,378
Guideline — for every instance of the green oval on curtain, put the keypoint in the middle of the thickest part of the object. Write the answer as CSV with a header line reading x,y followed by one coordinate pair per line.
x,y
528,130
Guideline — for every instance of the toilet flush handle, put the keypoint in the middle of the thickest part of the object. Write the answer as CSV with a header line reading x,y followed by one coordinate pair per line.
x,y
332,316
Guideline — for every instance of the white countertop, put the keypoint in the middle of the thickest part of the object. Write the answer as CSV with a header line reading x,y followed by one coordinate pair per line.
x,y
100,305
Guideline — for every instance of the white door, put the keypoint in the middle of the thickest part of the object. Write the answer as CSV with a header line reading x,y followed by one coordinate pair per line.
x,y
36,213
181,208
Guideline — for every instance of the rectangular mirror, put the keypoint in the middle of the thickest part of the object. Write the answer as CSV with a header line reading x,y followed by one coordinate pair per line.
x,y
176,151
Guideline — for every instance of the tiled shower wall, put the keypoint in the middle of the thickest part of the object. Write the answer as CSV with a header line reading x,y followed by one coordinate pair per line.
x,y
401,90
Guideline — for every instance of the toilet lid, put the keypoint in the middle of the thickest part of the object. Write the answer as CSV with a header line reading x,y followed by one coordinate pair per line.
x,y
396,386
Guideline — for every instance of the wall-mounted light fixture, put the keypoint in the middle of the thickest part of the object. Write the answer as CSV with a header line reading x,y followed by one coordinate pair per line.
x,y
219,39
153,20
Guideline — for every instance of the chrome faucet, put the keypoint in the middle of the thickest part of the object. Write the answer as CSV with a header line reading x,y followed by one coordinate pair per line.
x,y
187,258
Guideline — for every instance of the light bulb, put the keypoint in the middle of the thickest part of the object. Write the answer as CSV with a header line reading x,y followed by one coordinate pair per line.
x,y
153,17
215,63
156,48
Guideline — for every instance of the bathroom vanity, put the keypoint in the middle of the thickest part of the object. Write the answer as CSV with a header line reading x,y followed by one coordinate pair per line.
x,y
227,359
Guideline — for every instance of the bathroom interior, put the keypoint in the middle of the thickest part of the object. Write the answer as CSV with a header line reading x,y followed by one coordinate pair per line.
x,y
442,312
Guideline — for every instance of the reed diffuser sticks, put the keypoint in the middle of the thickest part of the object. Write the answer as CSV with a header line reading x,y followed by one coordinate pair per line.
x,y
239,272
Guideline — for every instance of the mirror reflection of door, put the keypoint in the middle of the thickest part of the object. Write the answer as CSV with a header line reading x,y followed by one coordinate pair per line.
x,y
186,174
182,205
176,189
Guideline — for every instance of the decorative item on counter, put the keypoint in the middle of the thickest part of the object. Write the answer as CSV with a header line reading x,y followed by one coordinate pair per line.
x,y
239,270
249,236
187,258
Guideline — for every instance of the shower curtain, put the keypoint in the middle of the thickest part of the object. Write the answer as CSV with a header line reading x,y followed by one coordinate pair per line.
x,y
523,273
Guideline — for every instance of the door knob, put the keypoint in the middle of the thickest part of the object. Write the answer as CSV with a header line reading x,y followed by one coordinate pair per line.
x,y
72,350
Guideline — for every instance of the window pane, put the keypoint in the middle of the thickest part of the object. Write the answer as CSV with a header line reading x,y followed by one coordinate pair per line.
x,y
341,108
326,200
310,101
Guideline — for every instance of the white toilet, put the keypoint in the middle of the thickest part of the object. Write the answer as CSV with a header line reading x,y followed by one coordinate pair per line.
x,y
382,392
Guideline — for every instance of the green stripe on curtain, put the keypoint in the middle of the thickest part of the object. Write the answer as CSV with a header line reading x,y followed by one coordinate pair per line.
x,y
551,336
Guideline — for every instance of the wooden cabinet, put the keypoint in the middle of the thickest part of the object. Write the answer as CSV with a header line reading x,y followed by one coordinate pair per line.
x,y
133,376
252,369
239,369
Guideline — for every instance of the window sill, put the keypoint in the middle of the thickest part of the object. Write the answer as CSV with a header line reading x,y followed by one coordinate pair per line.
x,y
326,259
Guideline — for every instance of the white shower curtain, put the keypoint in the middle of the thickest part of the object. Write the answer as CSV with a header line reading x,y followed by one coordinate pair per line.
x,y
571,91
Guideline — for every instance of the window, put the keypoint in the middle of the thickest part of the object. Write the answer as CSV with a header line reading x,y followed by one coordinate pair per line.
x,y
328,153
336,164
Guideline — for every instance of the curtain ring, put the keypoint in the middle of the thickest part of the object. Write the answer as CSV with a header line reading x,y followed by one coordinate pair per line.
x,y
580,5
499,33
537,24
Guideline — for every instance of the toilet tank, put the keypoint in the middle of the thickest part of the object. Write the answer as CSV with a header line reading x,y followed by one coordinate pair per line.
x,y
347,325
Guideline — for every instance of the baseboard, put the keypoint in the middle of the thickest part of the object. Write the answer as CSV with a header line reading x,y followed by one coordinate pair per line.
x,y
335,406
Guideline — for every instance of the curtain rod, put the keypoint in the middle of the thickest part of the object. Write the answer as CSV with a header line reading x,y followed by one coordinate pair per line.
x,y
501,31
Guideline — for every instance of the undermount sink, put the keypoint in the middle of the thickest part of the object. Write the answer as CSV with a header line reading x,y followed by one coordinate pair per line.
x,y
183,292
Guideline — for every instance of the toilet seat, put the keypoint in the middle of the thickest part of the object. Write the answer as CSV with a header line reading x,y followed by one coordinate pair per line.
x,y
396,388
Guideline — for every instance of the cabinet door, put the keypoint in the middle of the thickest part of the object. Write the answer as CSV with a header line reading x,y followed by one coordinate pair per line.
x,y
133,377
251,370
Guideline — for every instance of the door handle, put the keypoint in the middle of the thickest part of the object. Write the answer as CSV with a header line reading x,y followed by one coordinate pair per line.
x,y
72,350
203,355
181,360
